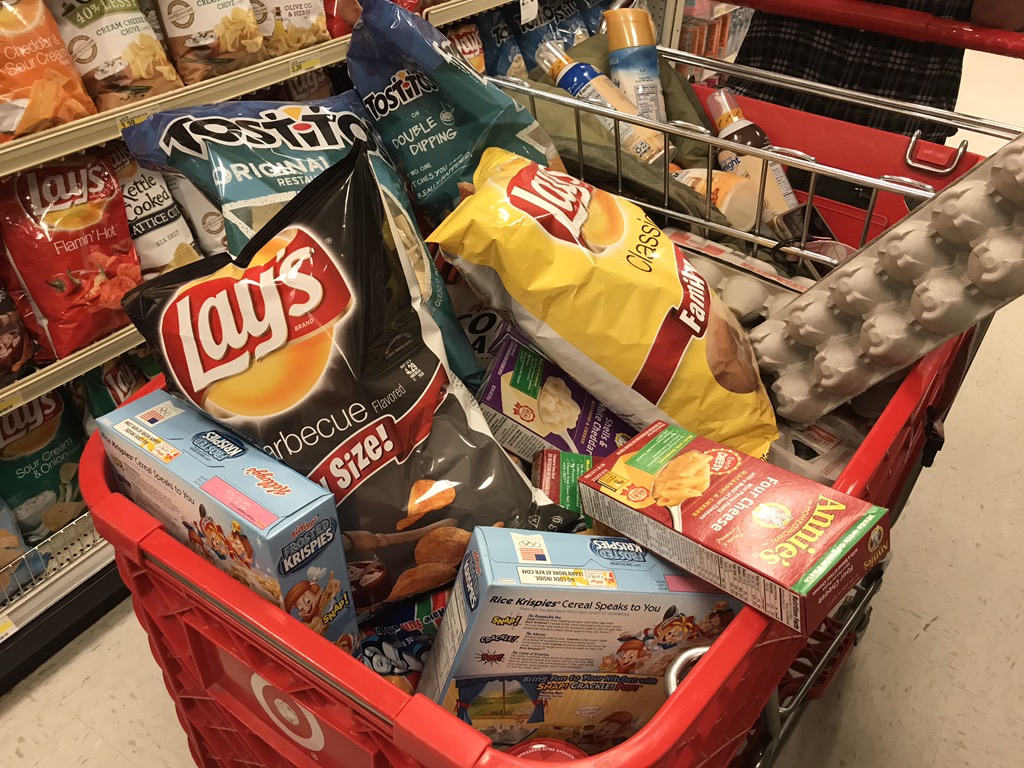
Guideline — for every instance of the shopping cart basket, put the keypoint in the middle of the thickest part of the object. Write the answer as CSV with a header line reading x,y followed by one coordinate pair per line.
x,y
253,687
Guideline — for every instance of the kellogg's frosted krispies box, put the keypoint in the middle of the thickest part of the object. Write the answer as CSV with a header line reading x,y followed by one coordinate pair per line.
x,y
258,521
531,404
787,546
542,610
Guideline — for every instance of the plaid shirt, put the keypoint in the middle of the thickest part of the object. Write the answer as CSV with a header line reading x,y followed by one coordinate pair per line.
x,y
923,73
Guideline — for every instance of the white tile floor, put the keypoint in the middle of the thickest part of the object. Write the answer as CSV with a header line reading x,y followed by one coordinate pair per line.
x,y
935,684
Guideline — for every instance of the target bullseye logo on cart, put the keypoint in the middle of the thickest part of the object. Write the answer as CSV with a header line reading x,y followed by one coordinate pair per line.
x,y
297,722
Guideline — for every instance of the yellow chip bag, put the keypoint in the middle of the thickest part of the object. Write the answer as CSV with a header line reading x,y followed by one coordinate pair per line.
x,y
607,296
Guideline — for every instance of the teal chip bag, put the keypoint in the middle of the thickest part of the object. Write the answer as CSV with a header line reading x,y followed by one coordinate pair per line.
x,y
435,113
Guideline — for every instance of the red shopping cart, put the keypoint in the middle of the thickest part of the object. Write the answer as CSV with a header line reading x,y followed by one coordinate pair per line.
x,y
254,688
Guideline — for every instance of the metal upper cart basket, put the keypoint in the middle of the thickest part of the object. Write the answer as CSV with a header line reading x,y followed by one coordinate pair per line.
x,y
252,687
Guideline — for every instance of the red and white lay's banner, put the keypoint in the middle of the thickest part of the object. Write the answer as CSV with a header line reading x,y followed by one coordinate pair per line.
x,y
606,296
317,345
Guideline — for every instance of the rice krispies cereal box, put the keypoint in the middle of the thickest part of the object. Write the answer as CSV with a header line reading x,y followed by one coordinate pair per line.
x,y
787,546
263,524
530,608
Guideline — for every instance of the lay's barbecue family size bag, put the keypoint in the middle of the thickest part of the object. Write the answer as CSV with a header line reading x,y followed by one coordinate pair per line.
x,y
434,112
252,157
606,296
317,346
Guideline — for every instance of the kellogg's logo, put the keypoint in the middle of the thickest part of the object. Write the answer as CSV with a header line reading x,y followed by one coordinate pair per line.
x,y
217,327
16,424
405,87
618,550
298,127
47,191
556,200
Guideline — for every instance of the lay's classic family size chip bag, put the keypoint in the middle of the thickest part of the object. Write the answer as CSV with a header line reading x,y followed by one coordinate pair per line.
x,y
435,113
252,157
605,295
317,346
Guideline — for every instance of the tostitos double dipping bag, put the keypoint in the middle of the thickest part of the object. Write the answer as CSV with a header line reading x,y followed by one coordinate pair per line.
x,y
317,346
606,296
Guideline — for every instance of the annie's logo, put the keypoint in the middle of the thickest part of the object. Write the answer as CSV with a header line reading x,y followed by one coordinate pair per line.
x,y
556,200
805,539
300,128
18,423
216,328
51,190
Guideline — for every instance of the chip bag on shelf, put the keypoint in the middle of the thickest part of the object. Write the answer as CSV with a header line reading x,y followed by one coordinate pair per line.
x,y
292,26
70,257
16,348
39,86
211,39
605,295
317,346
435,113
115,50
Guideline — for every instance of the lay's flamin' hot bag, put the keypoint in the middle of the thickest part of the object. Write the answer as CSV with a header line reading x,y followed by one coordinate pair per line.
x,y
316,345
606,296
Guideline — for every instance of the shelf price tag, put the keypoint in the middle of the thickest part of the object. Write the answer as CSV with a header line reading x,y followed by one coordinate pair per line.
x,y
528,10
127,121
7,627
299,66
11,402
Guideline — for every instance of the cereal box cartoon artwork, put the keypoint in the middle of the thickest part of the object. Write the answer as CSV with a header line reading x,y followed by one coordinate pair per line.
x,y
560,635
258,521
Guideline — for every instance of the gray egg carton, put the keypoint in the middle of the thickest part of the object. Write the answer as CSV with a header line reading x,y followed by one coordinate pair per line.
x,y
948,265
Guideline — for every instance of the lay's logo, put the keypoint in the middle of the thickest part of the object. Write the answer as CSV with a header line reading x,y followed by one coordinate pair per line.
x,y
221,333
296,127
556,200
48,192
21,422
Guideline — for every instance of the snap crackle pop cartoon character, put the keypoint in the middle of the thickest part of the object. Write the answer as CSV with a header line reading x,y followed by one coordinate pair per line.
x,y
308,601
216,541
631,654
241,547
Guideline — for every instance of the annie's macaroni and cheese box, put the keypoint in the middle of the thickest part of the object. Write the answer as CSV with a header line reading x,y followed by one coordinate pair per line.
x,y
564,616
787,546
258,521
531,404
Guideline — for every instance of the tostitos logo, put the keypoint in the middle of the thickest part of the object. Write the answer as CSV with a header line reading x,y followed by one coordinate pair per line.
x,y
563,205
255,341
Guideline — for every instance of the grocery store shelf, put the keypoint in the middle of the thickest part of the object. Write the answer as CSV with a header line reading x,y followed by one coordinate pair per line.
x,y
81,134
73,555
63,371
446,13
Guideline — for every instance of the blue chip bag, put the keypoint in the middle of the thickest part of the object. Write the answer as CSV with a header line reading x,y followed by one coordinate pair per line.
x,y
558,21
591,11
502,57
435,113
251,157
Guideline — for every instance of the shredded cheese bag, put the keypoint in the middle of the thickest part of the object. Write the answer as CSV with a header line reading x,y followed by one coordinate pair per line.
x,y
606,296
115,50
39,87
212,38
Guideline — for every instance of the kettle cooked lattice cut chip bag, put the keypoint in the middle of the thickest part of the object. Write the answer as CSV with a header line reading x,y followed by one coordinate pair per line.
x,y
316,345
605,295
252,157
435,113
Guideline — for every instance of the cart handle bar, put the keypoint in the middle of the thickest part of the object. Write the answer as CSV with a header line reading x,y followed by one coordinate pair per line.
x,y
918,26
956,119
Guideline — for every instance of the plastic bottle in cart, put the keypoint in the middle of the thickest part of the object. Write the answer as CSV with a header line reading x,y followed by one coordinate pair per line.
x,y
633,60
587,83
728,117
